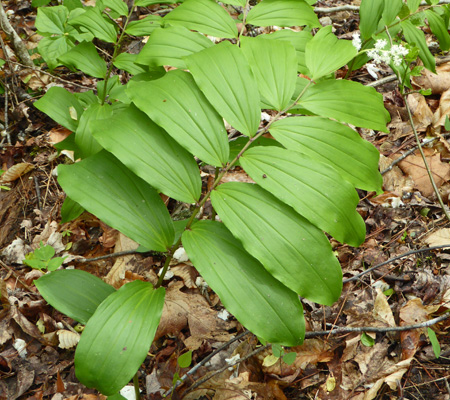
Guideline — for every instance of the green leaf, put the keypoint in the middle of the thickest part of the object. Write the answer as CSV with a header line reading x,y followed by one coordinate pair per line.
x,y
391,9
289,358
298,40
74,293
95,23
366,340
238,144
434,342
118,336
205,16
169,46
52,20
145,3
85,58
197,126
439,29
293,250
39,3
283,13
370,13
413,5
72,4
51,48
57,103
325,53
127,62
144,26
335,144
312,188
116,396
274,65
55,263
277,350
261,303
70,210
150,153
84,139
224,76
106,188
348,102
185,359
236,2
116,5
414,36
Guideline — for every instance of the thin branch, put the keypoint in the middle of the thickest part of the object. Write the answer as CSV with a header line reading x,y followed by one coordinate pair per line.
x,y
356,8
356,277
113,255
204,361
19,46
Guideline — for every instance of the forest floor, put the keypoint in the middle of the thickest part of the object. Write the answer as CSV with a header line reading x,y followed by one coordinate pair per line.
x,y
411,287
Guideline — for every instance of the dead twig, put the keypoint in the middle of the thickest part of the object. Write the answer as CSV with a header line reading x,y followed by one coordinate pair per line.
x,y
354,278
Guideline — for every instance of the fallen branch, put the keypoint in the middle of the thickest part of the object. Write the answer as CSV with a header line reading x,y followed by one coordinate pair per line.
x,y
354,278
19,46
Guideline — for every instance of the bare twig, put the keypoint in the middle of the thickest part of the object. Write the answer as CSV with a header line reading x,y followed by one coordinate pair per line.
x,y
19,46
354,278
204,361
113,255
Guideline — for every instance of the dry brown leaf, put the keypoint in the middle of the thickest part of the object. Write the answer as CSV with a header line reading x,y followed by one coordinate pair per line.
x,y
442,112
15,172
414,166
67,339
122,264
421,113
187,273
395,180
381,310
438,83
439,237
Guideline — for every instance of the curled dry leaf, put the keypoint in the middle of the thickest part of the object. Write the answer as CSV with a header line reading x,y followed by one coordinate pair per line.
x,y
421,113
438,83
414,166
67,339
15,172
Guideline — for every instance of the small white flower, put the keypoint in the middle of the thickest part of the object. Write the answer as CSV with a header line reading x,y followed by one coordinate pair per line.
x,y
356,42
224,314
168,275
380,44
232,360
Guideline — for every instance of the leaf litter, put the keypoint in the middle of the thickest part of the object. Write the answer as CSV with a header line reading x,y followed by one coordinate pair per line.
x,y
410,290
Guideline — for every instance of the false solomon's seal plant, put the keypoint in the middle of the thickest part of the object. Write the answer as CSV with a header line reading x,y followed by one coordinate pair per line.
x,y
149,135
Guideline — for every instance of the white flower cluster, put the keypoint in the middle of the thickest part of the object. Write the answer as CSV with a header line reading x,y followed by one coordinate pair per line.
x,y
395,54
356,42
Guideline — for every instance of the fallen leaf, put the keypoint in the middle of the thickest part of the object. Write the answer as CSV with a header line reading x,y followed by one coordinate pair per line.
x,y
438,83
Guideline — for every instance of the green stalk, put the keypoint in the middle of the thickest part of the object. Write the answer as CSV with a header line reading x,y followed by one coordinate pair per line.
x,y
116,53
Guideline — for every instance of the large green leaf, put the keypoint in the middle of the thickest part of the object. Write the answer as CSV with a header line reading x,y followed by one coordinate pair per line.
x,y
415,36
150,153
50,48
283,13
315,190
325,53
127,62
70,210
118,336
391,9
370,13
109,190
334,144
84,139
439,28
205,16
61,106
274,64
85,58
260,302
293,250
298,40
95,23
176,103
347,101
224,76
52,20
169,46
144,26
75,293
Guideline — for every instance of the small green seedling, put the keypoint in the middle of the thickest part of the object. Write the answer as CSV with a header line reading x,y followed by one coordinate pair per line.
x,y
366,340
434,342
42,258
278,353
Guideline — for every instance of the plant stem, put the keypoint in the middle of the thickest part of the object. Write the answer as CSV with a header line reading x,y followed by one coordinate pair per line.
x,y
116,53
244,17
136,386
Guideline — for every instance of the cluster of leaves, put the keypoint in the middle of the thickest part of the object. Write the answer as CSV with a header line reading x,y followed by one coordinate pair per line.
x,y
43,258
142,138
